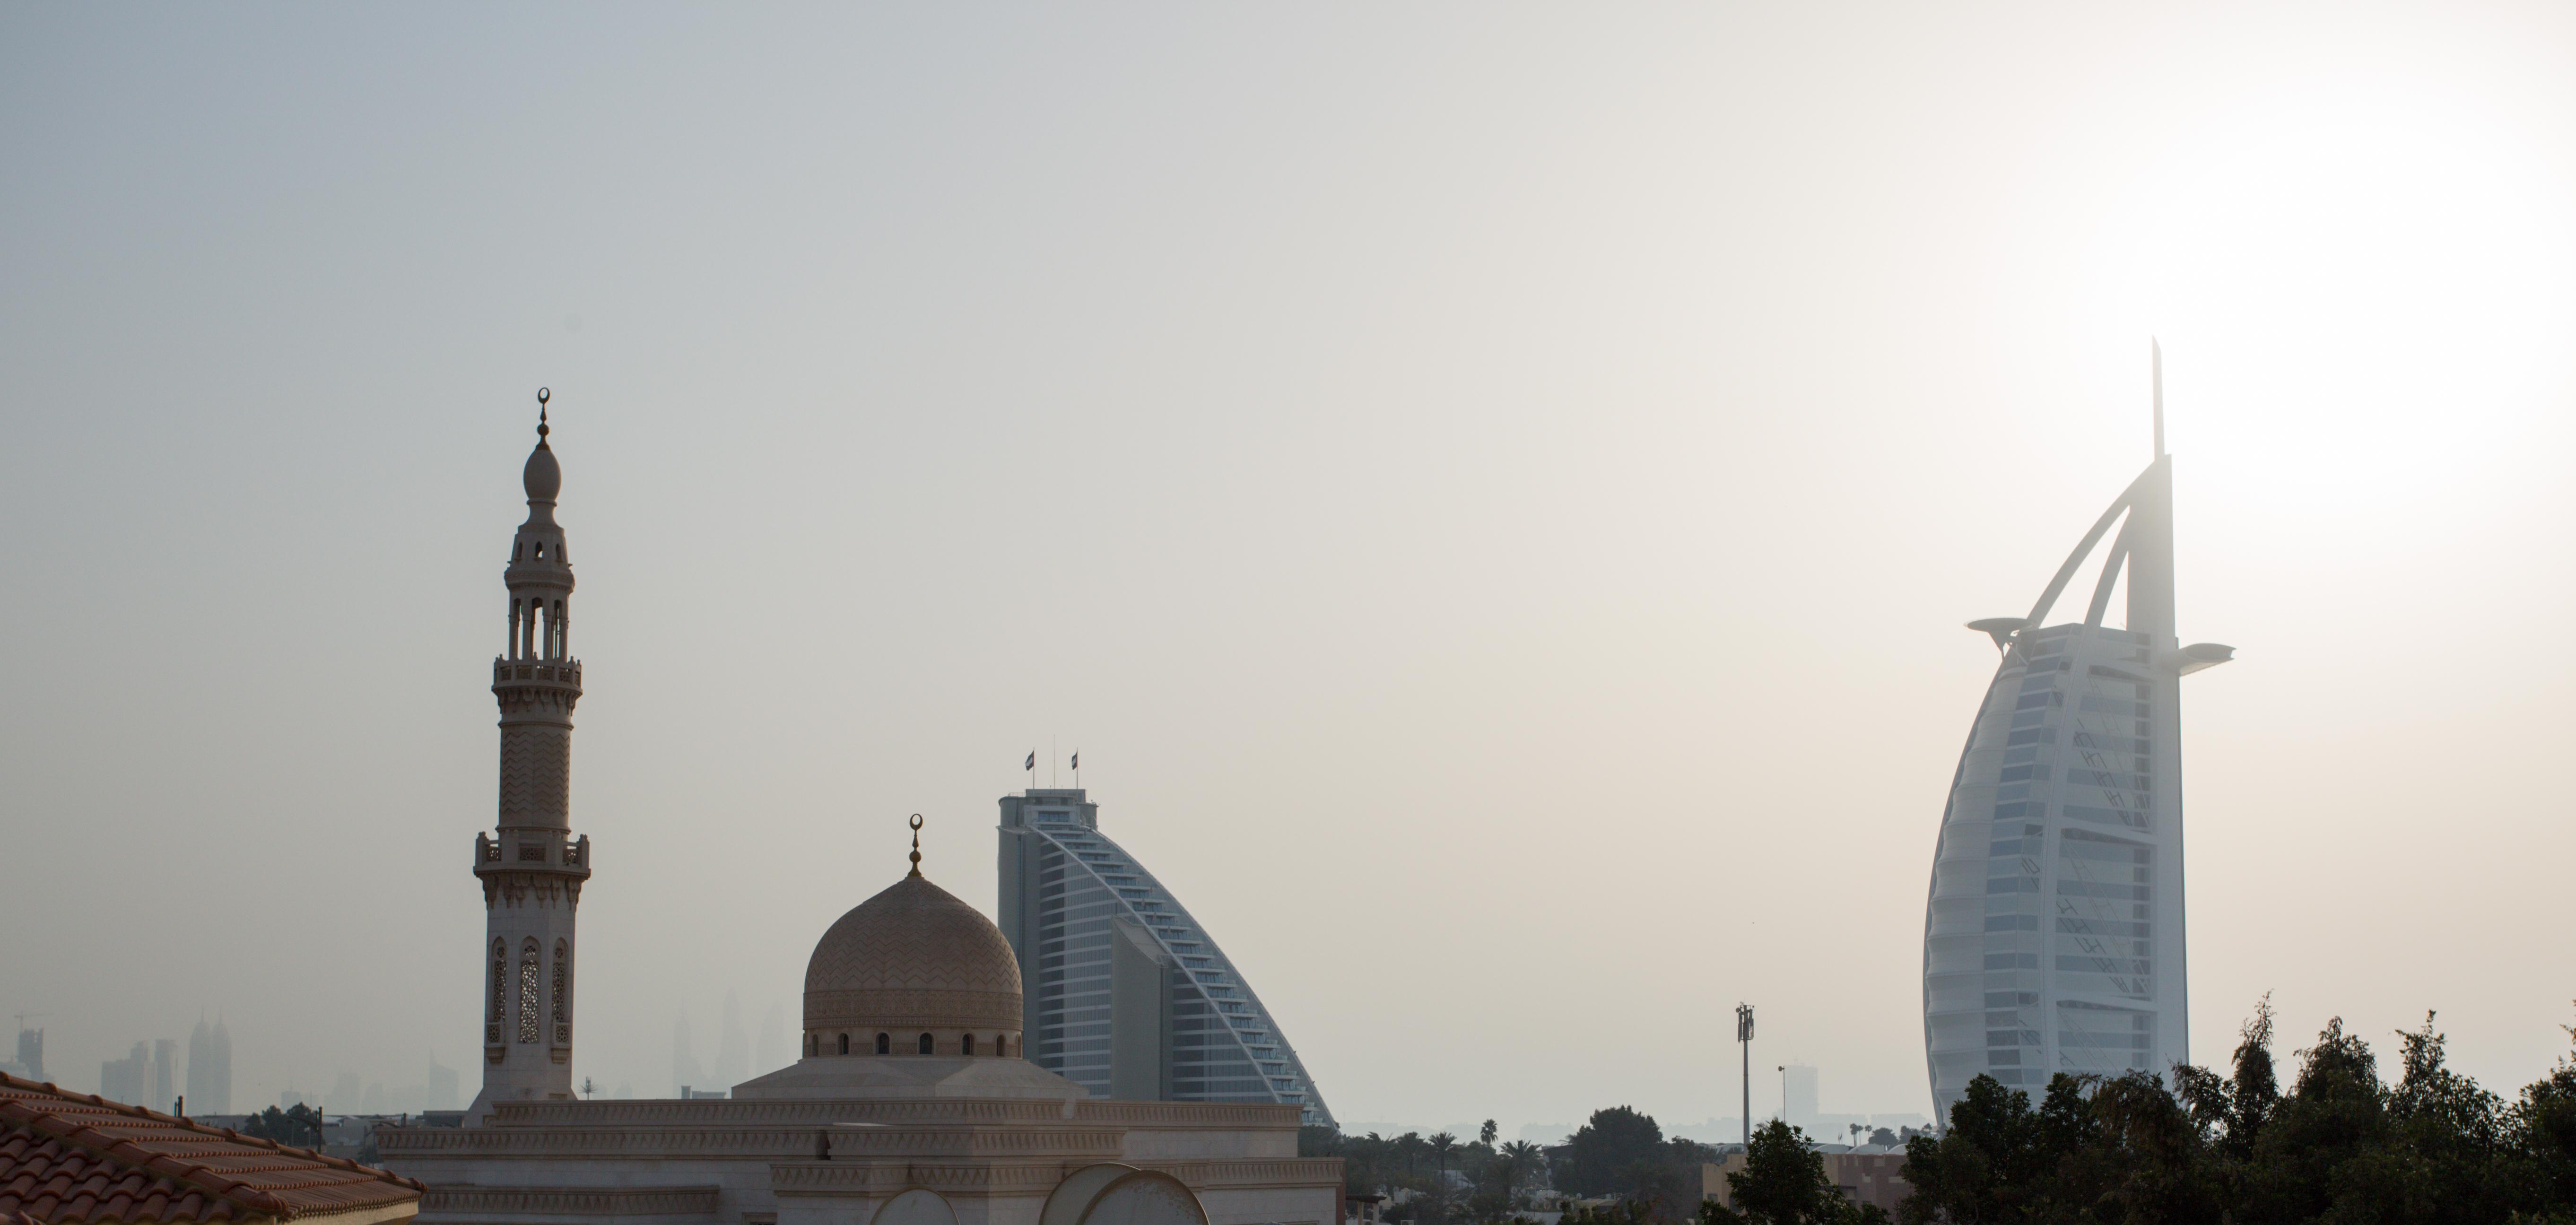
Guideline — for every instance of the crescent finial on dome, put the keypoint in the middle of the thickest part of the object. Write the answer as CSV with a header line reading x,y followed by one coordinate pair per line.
x,y
916,845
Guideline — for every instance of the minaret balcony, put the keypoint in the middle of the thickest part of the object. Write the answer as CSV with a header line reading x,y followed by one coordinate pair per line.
x,y
563,672
531,850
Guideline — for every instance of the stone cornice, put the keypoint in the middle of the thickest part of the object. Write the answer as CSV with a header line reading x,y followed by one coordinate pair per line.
x,y
1244,1175
885,1178
870,1143
861,1143
570,1201
1198,1116
736,1112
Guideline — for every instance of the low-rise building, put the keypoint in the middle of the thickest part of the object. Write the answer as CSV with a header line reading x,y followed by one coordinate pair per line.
x,y
1871,1174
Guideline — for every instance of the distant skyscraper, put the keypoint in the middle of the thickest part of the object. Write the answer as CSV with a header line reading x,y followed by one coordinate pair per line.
x,y
31,1052
773,1052
733,1046
127,1080
1798,1083
2053,938
685,1072
1127,995
164,1077
442,1092
210,1069
531,866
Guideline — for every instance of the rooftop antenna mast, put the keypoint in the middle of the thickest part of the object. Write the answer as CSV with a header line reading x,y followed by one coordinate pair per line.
x,y
2156,362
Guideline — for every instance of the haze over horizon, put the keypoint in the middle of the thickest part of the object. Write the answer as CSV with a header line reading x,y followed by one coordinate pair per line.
x,y
1492,493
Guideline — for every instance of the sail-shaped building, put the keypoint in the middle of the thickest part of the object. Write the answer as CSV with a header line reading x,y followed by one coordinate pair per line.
x,y
2053,938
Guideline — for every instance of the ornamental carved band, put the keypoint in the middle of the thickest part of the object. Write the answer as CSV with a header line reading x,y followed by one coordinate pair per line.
x,y
536,775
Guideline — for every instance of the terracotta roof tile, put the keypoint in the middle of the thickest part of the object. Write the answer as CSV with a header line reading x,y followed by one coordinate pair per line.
x,y
79,1159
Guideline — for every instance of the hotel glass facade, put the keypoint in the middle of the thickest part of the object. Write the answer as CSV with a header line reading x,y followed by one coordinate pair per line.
x,y
2053,936
1126,994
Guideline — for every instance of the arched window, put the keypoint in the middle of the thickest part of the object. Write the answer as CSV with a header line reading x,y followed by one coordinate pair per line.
x,y
1002,1044
966,1045
845,1044
925,1044
500,994
529,1020
563,993
884,1047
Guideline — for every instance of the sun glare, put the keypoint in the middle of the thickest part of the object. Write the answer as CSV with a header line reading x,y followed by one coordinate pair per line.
x,y
2361,283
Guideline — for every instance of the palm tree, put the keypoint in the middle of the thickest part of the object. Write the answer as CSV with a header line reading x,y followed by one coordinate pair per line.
x,y
1441,1144
1856,1129
1519,1158
1408,1146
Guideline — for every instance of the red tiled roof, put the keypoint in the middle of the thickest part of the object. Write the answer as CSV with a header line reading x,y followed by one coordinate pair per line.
x,y
68,1158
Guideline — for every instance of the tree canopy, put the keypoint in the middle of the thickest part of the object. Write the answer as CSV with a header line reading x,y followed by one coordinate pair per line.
x,y
2339,1145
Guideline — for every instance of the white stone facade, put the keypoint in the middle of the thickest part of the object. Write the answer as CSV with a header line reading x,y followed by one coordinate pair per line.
x,y
754,1161
530,866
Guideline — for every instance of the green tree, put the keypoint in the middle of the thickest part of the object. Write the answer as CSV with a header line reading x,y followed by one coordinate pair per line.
x,y
2337,1146
1607,1155
1977,1171
299,1125
2542,1131
1783,1182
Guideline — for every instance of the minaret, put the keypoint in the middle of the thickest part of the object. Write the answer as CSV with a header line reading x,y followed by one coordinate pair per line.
x,y
532,868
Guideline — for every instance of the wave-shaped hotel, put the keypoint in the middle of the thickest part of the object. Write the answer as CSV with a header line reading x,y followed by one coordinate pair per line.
x,y
2053,938
1131,997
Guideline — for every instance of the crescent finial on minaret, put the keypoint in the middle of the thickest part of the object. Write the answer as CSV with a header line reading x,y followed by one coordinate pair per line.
x,y
916,845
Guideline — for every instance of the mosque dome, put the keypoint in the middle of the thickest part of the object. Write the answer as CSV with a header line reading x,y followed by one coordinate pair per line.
x,y
913,960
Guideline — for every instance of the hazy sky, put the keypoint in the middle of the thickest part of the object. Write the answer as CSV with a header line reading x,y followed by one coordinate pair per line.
x,y
1492,491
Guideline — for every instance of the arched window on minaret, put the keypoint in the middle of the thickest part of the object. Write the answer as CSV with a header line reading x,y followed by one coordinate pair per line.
x,y
529,1017
500,994
562,996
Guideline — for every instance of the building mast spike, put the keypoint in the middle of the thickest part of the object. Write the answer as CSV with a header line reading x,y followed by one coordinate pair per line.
x,y
2156,362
